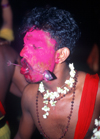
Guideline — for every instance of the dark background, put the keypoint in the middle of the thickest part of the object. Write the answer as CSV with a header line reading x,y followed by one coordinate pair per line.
x,y
85,12
87,15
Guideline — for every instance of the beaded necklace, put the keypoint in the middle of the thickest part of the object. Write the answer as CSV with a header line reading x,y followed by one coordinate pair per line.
x,y
53,97
56,99
70,114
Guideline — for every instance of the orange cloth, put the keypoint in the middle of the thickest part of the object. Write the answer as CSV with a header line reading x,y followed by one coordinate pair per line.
x,y
87,104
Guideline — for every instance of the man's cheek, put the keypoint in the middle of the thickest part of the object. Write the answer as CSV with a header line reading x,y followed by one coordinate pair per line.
x,y
30,60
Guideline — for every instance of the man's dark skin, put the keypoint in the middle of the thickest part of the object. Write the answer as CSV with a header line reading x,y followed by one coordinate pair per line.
x,y
10,77
56,122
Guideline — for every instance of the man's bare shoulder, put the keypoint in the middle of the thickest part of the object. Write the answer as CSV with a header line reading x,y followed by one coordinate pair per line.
x,y
82,76
29,94
81,79
98,96
99,85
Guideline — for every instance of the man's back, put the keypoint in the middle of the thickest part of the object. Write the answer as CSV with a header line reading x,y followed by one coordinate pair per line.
x,y
6,73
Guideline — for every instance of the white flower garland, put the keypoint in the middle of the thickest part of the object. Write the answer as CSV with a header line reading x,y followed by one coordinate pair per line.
x,y
53,95
96,131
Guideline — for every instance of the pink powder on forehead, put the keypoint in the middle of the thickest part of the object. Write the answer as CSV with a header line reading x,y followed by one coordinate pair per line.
x,y
35,35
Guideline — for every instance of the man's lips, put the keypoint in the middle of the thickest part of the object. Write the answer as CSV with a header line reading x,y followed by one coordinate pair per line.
x,y
24,70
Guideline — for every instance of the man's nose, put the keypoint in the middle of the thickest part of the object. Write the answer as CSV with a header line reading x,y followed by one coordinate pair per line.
x,y
23,52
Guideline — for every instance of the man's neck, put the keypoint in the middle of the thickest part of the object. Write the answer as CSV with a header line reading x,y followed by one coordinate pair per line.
x,y
61,72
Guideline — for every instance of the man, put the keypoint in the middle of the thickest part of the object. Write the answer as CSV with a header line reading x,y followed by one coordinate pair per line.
x,y
66,103
8,74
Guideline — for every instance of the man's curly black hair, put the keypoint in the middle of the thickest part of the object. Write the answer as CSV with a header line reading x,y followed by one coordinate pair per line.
x,y
59,23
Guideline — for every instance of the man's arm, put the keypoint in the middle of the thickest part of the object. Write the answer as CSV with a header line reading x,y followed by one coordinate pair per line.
x,y
6,14
15,90
27,126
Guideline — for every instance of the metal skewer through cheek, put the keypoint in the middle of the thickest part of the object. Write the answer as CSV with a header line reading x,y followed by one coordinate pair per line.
x,y
46,74
9,63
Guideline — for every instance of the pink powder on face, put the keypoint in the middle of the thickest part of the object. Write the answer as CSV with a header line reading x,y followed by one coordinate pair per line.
x,y
39,51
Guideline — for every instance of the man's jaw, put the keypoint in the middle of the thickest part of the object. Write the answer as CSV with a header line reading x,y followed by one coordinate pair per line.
x,y
26,67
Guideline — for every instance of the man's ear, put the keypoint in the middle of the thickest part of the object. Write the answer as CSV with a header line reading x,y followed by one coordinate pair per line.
x,y
62,54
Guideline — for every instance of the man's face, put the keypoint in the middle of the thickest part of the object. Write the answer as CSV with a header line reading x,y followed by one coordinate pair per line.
x,y
38,55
